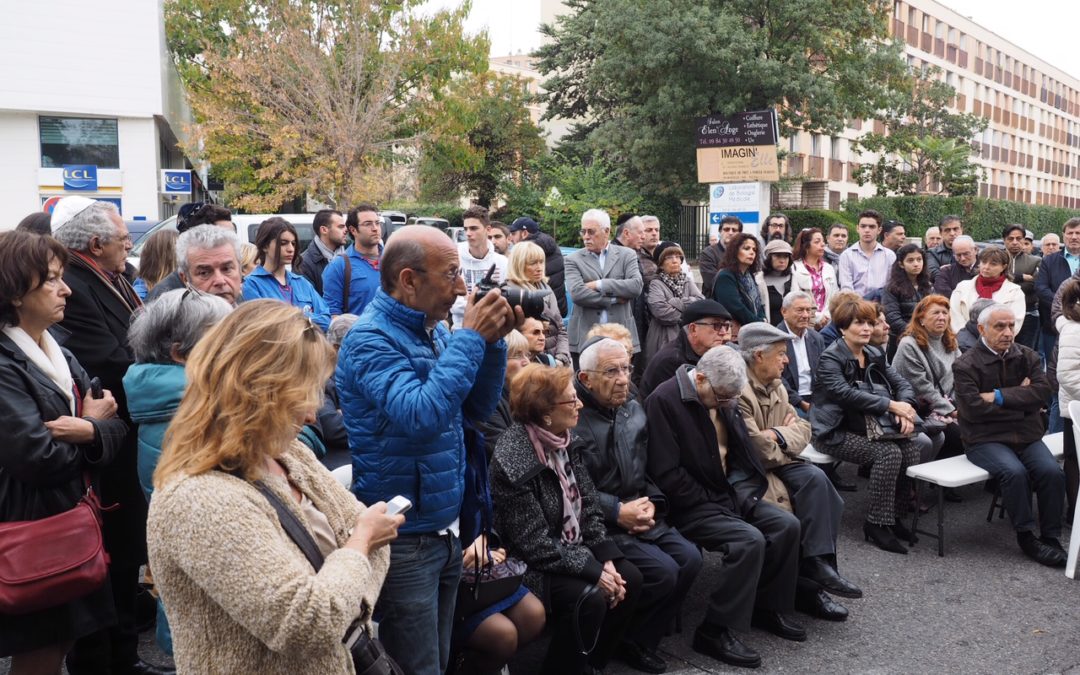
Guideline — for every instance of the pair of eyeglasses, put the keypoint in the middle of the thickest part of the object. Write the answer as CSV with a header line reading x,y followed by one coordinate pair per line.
x,y
570,401
718,326
450,275
613,371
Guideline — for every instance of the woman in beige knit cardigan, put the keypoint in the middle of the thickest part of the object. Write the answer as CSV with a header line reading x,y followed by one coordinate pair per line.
x,y
239,594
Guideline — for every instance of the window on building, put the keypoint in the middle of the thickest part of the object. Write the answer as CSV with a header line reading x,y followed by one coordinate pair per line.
x,y
953,33
939,30
815,145
926,23
963,42
75,140
835,149
897,12
911,16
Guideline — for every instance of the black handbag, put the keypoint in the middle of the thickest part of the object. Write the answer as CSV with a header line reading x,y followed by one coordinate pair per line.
x,y
487,584
883,427
368,654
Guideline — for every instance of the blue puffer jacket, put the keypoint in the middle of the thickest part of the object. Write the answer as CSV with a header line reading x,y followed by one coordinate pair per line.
x,y
154,391
403,399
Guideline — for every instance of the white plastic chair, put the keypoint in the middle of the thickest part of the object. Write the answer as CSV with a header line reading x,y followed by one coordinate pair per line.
x,y
1074,540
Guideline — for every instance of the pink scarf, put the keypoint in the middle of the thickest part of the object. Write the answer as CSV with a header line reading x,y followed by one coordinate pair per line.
x,y
551,452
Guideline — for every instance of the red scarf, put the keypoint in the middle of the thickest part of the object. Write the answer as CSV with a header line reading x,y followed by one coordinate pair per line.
x,y
986,288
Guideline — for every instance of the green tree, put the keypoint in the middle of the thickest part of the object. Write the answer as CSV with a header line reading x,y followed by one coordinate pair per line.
x,y
315,98
482,135
635,75
926,148
557,191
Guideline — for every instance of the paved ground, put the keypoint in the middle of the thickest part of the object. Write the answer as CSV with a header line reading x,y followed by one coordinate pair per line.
x,y
984,608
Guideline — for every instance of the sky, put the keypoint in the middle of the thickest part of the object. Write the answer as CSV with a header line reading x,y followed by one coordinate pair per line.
x,y
1046,28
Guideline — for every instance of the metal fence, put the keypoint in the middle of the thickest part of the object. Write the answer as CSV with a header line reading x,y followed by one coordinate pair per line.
x,y
693,230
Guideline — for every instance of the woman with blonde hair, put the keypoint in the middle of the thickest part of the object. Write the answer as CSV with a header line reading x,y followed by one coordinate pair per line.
x,y
526,271
240,593
158,260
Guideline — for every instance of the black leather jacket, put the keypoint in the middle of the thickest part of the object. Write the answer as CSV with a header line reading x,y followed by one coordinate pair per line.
x,y
41,476
614,448
835,391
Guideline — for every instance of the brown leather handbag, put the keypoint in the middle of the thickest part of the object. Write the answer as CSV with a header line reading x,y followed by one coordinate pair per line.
x,y
51,561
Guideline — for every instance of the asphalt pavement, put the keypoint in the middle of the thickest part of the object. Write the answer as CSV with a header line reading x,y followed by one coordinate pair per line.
x,y
983,608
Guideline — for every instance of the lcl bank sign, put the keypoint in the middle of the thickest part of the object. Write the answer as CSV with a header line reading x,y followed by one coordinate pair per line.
x,y
176,182
80,177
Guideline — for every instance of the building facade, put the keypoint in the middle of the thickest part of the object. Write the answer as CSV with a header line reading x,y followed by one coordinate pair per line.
x,y
89,85
1030,150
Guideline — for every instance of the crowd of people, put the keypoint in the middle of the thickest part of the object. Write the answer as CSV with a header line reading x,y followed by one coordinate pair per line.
x,y
245,423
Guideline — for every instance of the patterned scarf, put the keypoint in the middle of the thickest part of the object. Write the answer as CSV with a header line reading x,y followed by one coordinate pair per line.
x,y
117,283
817,283
551,451
676,283
986,288
750,288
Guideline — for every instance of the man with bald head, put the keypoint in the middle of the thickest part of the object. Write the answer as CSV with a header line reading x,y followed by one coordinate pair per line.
x,y
406,387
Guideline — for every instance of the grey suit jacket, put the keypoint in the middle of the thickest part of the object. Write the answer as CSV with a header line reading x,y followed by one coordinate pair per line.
x,y
814,346
621,283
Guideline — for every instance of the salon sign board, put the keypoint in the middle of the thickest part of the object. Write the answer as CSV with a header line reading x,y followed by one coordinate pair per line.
x,y
737,148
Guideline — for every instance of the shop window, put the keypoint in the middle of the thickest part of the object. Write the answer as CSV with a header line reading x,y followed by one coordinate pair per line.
x,y
75,140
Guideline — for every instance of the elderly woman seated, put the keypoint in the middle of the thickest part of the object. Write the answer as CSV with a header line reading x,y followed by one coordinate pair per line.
x,y
856,397
548,513
778,435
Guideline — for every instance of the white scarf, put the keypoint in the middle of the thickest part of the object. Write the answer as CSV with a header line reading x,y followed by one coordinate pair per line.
x,y
47,357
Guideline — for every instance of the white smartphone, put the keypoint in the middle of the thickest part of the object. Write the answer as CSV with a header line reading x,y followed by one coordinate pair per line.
x,y
398,505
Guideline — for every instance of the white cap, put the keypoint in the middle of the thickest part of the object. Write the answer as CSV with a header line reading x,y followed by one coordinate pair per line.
x,y
67,208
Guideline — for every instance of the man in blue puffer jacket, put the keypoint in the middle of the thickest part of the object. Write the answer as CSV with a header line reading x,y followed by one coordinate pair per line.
x,y
405,385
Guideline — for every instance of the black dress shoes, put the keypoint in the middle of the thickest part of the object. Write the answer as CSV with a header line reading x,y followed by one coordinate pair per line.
x,y
820,604
1039,551
818,570
141,667
778,624
902,533
720,643
883,538
1052,543
641,658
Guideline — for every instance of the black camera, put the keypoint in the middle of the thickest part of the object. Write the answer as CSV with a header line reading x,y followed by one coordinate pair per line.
x,y
531,302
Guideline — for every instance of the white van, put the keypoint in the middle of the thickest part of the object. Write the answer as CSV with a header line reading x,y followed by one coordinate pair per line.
x,y
246,227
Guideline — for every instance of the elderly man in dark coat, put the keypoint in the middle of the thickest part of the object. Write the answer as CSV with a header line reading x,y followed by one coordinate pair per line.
x,y
705,324
701,456
97,316
1001,388
612,437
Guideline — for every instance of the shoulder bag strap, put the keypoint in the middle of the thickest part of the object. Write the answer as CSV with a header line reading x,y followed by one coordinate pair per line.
x,y
345,286
293,527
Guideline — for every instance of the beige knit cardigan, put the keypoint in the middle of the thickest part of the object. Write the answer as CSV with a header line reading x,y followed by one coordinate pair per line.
x,y
239,595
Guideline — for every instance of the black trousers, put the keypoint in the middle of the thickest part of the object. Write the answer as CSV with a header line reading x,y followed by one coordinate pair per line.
x,y
572,647
668,565
816,504
760,561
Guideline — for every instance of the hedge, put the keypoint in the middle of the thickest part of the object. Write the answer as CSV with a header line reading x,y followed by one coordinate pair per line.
x,y
822,219
983,218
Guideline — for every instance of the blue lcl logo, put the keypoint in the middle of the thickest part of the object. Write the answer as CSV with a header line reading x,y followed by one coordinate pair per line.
x,y
81,177
177,182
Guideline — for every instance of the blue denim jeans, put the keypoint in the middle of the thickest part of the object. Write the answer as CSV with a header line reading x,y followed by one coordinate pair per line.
x,y
1020,472
416,607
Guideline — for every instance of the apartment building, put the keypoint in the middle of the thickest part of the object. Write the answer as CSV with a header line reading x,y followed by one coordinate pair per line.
x,y
1030,150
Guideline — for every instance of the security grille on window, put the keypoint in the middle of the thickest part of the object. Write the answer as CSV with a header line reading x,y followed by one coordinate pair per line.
x,y
73,140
